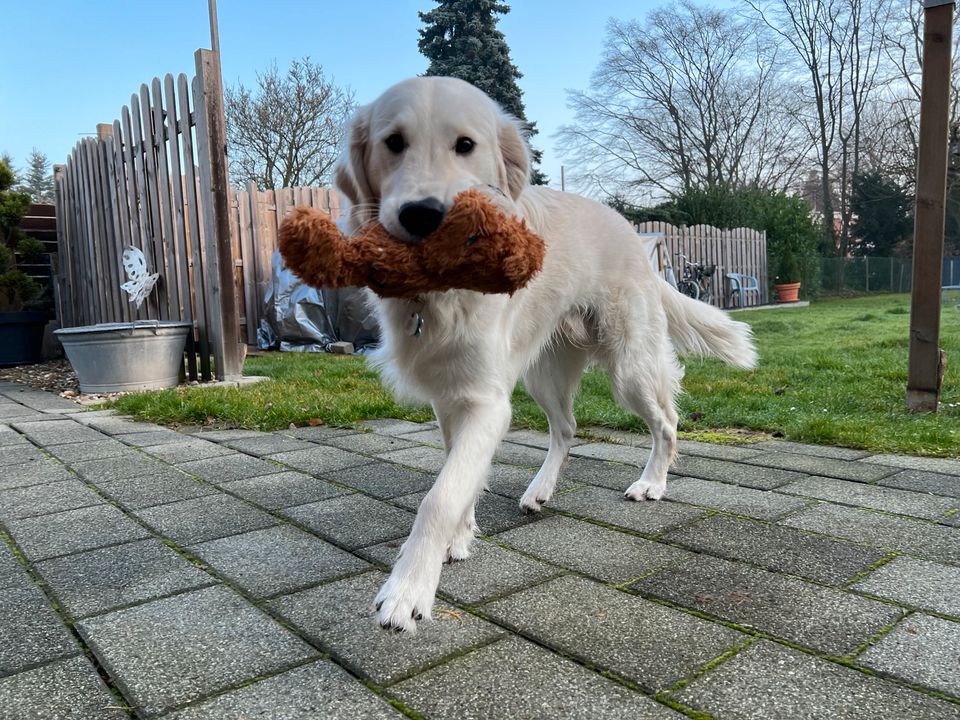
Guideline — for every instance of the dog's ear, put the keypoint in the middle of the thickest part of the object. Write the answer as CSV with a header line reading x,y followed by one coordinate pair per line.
x,y
350,175
515,154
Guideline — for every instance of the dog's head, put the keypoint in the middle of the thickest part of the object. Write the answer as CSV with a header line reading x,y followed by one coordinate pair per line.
x,y
411,150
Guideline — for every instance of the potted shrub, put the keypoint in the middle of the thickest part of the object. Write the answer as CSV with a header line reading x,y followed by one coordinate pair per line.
x,y
21,326
787,283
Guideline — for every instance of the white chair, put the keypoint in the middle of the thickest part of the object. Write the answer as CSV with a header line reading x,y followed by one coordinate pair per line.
x,y
741,286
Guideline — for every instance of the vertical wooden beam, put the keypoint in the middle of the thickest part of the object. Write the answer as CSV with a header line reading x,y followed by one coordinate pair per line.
x,y
925,366
214,182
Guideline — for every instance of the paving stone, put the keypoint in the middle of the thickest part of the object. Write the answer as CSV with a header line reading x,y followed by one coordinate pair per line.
x,y
187,449
57,432
39,472
917,583
170,486
44,499
777,548
225,435
44,401
150,438
494,513
824,451
829,467
276,560
936,465
73,531
537,439
283,489
609,506
822,618
761,504
369,443
120,468
770,681
649,644
319,433
225,468
422,458
384,480
204,518
395,427
605,554
340,618
512,481
21,452
267,444
10,412
318,690
174,650
432,437
752,476
65,690
618,453
489,572
887,532
921,649
901,502
716,451
88,416
118,425
614,476
520,455
353,521
12,573
320,460
94,450
924,481
517,679
92,582
31,631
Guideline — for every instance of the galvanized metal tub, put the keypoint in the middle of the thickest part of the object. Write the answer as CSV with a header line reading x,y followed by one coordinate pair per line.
x,y
120,357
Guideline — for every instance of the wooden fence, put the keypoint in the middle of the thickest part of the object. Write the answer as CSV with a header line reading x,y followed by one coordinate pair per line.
x,y
740,250
155,180
255,221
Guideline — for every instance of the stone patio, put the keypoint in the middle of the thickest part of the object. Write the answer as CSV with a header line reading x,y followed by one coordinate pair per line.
x,y
230,574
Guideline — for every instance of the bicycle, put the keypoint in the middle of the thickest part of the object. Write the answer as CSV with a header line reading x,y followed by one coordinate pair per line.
x,y
697,280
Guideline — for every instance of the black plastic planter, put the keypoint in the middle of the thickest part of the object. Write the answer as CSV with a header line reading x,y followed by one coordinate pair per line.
x,y
21,337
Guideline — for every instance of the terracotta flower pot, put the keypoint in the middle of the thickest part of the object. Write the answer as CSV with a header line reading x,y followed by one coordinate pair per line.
x,y
788,292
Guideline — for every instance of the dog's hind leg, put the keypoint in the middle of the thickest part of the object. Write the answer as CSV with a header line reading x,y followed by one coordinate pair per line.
x,y
646,380
476,429
553,381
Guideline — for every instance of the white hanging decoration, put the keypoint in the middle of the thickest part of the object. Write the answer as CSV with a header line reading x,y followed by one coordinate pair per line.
x,y
141,282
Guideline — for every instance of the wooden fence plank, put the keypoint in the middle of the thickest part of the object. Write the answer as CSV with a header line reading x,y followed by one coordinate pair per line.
x,y
193,228
151,192
245,231
159,152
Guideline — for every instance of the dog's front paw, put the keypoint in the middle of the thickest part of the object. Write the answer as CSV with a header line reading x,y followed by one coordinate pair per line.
x,y
402,601
646,490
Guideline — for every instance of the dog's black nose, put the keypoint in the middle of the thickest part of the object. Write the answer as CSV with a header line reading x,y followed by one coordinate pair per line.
x,y
422,217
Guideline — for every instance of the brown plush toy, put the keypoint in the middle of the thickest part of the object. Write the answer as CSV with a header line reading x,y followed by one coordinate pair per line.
x,y
477,247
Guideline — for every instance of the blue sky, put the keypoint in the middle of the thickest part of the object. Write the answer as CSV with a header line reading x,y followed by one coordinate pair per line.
x,y
77,63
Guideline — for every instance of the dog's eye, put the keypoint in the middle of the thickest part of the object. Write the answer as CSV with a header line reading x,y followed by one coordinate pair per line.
x,y
464,146
395,143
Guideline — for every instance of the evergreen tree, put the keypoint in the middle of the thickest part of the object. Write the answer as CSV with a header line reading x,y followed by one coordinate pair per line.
x,y
39,178
461,40
884,213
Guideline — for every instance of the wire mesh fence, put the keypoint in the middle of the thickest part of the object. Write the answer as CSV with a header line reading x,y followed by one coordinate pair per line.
x,y
840,276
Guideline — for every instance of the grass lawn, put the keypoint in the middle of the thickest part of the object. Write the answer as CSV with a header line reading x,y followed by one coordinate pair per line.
x,y
834,373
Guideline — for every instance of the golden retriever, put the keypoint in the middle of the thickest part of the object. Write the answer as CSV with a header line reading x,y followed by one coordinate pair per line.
x,y
597,300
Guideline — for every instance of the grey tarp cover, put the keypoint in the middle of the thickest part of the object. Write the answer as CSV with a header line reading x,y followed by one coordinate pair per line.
x,y
301,318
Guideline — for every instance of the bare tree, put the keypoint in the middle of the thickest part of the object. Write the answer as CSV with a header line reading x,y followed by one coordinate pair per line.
x,y
286,131
687,99
838,46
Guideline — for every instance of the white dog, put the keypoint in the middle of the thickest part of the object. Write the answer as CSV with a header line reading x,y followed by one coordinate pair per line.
x,y
597,300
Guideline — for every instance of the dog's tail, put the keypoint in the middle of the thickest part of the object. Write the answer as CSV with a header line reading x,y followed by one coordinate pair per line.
x,y
696,327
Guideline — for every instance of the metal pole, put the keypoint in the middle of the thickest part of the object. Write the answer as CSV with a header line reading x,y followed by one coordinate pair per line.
x,y
927,362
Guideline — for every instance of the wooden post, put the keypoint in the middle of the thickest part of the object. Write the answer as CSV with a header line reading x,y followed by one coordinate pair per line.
x,y
926,364
214,184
